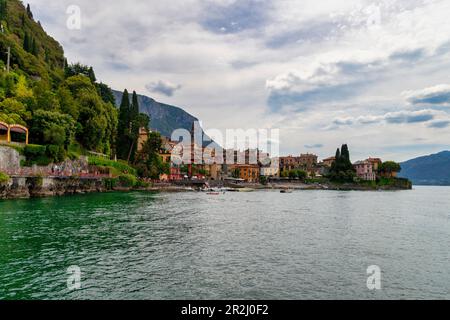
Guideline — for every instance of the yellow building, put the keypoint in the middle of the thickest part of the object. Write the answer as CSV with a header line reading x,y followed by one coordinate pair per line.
x,y
142,139
6,131
247,172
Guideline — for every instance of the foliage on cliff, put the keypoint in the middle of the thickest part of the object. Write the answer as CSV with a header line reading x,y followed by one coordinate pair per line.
x,y
60,103
4,178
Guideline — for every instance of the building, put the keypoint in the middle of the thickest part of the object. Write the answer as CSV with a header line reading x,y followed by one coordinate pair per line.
x,y
308,161
328,162
12,133
365,170
270,172
246,172
142,139
376,162
305,162
215,171
175,173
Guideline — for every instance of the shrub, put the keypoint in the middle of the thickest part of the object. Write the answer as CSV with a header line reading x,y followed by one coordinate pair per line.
x,y
127,180
43,155
110,183
4,178
121,166
36,154
141,184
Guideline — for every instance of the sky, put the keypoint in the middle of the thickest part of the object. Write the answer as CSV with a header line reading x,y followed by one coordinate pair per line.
x,y
372,74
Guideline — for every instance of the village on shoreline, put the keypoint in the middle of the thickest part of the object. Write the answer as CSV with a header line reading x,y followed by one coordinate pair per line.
x,y
234,170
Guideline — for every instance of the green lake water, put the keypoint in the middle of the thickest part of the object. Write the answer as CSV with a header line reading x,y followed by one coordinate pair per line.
x,y
260,245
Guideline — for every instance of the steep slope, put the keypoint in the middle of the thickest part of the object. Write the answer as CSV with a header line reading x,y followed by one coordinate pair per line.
x,y
33,51
428,170
164,118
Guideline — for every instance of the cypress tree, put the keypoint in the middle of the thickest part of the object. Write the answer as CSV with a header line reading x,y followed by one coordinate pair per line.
x,y
91,75
123,128
135,124
29,13
135,110
34,47
345,158
3,9
26,42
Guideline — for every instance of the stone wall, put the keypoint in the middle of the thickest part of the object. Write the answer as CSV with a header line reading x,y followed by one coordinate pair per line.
x,y
9,159
23,187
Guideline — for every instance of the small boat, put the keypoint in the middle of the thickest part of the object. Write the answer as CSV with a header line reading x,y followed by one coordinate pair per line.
x,y
286,191
214,193
246,190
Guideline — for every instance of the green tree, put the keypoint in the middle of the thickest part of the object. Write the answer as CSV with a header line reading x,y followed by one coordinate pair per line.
x,y
67,103
123,127
34,50
29,13
148,162
79,69
342,169
135,124
49,127
106,93
13,111
389,168
91,75
26,42
3,10
44,97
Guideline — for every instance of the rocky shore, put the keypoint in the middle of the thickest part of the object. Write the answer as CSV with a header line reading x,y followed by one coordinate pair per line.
x,y
34,187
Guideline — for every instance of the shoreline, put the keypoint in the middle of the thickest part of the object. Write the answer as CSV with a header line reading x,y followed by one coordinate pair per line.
x,y
38,187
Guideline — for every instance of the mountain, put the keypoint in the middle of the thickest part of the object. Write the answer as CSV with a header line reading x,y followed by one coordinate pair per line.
x,y
428,170
164,118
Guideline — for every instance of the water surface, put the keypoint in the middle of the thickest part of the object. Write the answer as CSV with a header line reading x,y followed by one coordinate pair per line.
x,y
261,245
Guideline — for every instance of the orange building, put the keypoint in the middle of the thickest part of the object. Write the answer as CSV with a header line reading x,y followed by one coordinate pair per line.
x,y
376,163
247,172
328,162
142,139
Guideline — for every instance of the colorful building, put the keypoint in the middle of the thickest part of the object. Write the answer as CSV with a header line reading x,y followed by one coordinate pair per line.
x,y
247,172
305,162
365,170
328,162
11,132
270,171
376,162
142,139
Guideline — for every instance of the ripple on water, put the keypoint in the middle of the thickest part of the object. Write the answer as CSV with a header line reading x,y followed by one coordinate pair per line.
x,y
261,245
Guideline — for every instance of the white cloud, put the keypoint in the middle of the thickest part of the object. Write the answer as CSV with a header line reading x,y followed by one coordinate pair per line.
x,y
296,65
439,94
164,87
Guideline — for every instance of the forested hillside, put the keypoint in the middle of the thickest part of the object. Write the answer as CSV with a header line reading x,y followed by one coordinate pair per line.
x,y
63,105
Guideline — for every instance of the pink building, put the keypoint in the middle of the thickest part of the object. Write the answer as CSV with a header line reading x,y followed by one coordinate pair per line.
x,y
365,170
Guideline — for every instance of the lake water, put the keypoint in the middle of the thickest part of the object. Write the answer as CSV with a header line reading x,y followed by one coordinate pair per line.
x,y
260,245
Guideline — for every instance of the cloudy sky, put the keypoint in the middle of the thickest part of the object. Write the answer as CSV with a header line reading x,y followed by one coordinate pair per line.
x,y
373,74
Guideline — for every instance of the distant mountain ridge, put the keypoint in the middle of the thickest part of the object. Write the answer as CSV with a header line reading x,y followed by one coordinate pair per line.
x,y
428,170
164,117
